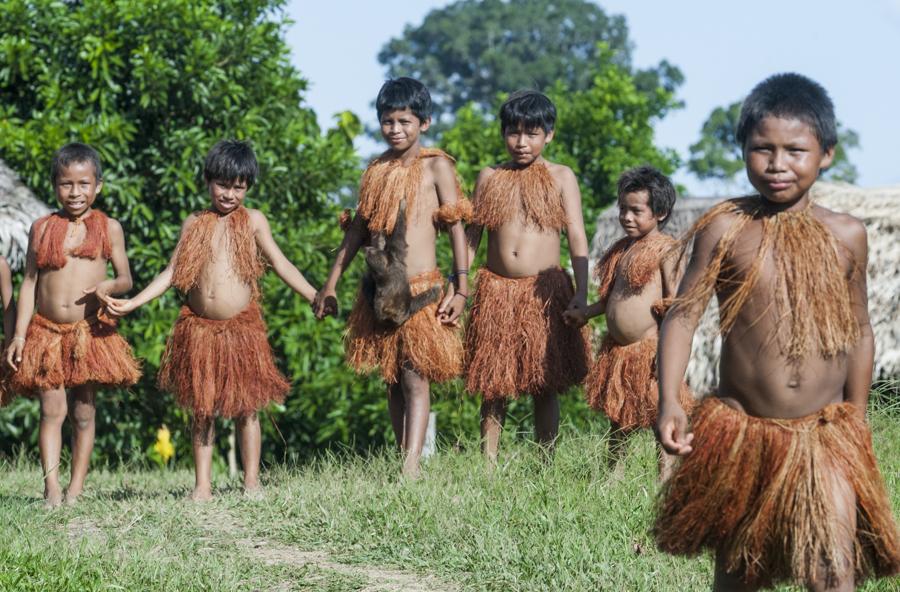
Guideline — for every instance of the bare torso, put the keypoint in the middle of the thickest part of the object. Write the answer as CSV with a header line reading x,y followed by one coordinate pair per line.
x,y
519,249
629,316
421,233
219,293
60,293
754,373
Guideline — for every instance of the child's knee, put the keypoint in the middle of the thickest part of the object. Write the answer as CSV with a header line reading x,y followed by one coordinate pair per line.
x,y
54,409
83,415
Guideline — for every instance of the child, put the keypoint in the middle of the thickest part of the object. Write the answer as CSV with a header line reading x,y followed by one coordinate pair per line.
x,y
779,477
9,325
62,339
517,341
427,347
636,280
217,361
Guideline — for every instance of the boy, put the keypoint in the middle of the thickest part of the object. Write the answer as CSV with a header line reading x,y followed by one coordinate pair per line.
x,y
779,477
62,340
636,280
9,325
218,361
427,347
517,340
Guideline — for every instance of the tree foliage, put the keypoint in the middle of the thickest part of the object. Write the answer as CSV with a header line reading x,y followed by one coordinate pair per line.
x,y
717,154
473,49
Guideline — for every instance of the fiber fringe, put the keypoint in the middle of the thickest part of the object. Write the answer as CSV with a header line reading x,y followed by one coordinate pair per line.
x,y
645,256
516,339
451,213
760,491
530,190
51,236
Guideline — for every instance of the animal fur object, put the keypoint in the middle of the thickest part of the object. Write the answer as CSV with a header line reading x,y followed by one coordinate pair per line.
x,y
386,285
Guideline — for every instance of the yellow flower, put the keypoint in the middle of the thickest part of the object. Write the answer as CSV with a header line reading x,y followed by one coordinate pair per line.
x,y
164,446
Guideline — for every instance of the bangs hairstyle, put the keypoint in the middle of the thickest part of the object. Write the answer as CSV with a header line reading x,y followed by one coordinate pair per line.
x,y
231,160
660,192
529,109
789,96
404,93
75,152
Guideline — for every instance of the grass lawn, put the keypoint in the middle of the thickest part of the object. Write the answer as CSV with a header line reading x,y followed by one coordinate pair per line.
x,y
349,523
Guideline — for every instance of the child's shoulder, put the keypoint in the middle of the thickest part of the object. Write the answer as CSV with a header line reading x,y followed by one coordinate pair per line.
x,y
846,228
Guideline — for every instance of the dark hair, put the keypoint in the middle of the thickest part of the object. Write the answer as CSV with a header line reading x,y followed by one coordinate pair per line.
x,y
231,160
75,152
660,192
404,93
794,96
527,108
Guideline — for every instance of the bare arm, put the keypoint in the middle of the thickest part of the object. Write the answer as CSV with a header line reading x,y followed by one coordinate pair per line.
x,y
25,309
675,339
861,358
325,301
474,231
122,282
286,270
445,186
578,244
9,304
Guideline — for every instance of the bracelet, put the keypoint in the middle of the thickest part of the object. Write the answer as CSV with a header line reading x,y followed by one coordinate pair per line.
x,y
465,296
461,272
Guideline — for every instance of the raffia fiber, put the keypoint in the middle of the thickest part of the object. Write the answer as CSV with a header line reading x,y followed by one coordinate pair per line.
x,y
645,256
760,492
6,392
807,266
516,339
386,182
622,384
196,249
530,190
72,354
451,213
221,368
51,234
432,349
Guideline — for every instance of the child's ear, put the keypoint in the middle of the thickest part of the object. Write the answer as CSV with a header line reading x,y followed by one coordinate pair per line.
x,y
549,137
827,159
425,124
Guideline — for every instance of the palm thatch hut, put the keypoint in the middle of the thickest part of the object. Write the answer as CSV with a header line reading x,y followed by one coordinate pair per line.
x,y
18,209
878,208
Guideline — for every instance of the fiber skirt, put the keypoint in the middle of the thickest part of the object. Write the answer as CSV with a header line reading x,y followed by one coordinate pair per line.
x,y
221,368
432,349
58,355
766,494
517,341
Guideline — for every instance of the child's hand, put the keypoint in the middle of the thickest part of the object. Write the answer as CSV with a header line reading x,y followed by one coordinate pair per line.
x,y
672,430
101,290
118,307
14,352
576,317
325,303
452,306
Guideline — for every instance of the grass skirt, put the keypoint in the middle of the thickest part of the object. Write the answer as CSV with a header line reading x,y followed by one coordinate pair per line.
x,y
221,368
516,339
622,384
759,491
6,394
73,354
432,349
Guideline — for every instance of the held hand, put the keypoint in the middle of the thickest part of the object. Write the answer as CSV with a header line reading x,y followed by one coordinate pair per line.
x,y
673,432
453,310
576,313
118,307
101,291
448,296
14,352
325,303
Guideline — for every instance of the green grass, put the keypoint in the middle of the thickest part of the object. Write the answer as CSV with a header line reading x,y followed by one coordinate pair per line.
x,y
569,525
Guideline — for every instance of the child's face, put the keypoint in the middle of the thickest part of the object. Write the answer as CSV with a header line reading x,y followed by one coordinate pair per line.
x,y
401,129
77,187
784,157
226,196
525,146
635,214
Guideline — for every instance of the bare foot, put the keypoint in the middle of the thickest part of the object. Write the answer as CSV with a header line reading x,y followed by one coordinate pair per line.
x,y
411,468
53,497
254,492
70,498
200,494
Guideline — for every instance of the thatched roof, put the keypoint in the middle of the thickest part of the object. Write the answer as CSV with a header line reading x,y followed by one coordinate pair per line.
x,y
18,209
879,209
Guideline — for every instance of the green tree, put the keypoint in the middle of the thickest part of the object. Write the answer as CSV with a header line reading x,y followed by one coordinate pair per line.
x,y
473,49
152,85
717,155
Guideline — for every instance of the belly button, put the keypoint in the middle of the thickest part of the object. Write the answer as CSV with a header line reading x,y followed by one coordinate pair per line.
x,y
515,253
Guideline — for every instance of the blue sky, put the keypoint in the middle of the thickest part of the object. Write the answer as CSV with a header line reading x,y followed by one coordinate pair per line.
x,y
723,48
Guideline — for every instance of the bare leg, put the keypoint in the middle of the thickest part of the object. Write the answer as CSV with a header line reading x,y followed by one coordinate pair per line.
x,y
418,406
665,463
82,413
397,411
493,416
546,421
203,431
53,414
250,436
618,440
844,499
725,582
